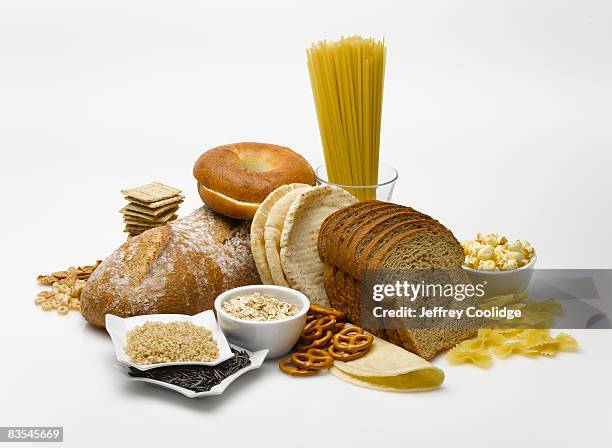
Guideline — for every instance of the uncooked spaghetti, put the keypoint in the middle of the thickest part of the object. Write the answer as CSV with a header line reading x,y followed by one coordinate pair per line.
x,y
347,79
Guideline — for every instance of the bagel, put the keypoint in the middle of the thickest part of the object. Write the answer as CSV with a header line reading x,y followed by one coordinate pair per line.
x,y
234,179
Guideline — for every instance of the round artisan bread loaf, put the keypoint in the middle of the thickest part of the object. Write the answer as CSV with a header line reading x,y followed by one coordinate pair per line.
x,y
234,179
179,268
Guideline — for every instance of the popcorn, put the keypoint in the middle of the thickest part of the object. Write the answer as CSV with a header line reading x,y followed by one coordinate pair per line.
x,y
493,252
486,265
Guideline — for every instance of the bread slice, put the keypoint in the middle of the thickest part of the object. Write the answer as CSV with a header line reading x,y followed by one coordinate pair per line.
x,y
416,246
434,248
339,238
391,231
374,227
328,226
345,234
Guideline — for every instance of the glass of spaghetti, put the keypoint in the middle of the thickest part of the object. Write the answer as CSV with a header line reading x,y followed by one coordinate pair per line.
x,y
383,190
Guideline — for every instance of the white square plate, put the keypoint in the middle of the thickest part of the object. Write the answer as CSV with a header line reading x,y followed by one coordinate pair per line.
x,y
118,327
257,359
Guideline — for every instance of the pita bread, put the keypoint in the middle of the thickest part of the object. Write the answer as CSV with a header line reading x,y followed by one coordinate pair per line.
x,y
389,367
258,247
298,244
272,234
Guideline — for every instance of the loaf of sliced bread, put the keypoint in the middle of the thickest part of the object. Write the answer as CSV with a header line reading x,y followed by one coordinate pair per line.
x,y
399,239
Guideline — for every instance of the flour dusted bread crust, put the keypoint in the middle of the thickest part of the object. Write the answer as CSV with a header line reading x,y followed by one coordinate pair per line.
x,y
177,268
234,179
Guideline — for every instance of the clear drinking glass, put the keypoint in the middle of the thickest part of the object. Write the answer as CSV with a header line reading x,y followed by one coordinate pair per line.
x,y
383,190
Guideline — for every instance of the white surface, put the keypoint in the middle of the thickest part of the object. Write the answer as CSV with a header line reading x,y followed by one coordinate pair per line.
x,y
118,328
257,358
497,114
278,336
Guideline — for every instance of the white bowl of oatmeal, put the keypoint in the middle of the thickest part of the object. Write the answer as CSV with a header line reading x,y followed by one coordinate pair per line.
x,y
261,317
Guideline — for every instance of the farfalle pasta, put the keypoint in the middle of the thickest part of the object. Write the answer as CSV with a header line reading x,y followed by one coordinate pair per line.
x,y
472,351
506,342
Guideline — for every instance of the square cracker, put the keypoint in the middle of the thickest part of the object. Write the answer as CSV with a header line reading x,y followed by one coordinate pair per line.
x,y
147,224
154,205
130,214
150,211
134,228
153,192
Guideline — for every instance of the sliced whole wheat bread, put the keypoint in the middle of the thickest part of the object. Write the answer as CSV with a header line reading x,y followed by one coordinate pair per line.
x,y
402,250
336,218
346,235
340,237
434,248
387,234
398,240
342,291
370,230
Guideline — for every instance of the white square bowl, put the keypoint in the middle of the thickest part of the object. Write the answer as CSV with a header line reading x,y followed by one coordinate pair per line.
x,y
257,359
118,327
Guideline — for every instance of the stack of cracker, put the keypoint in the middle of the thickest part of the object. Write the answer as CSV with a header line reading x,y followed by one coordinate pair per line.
x,y
150,206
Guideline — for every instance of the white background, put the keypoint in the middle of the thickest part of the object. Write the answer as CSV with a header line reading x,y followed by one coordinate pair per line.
x,y
497,114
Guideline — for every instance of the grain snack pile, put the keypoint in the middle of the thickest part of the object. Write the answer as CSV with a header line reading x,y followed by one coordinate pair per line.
x,y
66,289
150,206
324,339
259,307
158,342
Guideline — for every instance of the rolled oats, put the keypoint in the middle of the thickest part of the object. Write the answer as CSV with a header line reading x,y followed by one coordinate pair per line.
x,y
259,307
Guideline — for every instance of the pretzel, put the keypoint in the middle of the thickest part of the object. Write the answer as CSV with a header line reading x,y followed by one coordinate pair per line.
x,y
313,332
338,327
326,323
311,317
314,358
352,339
321,310
322,342
290,368
345,356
